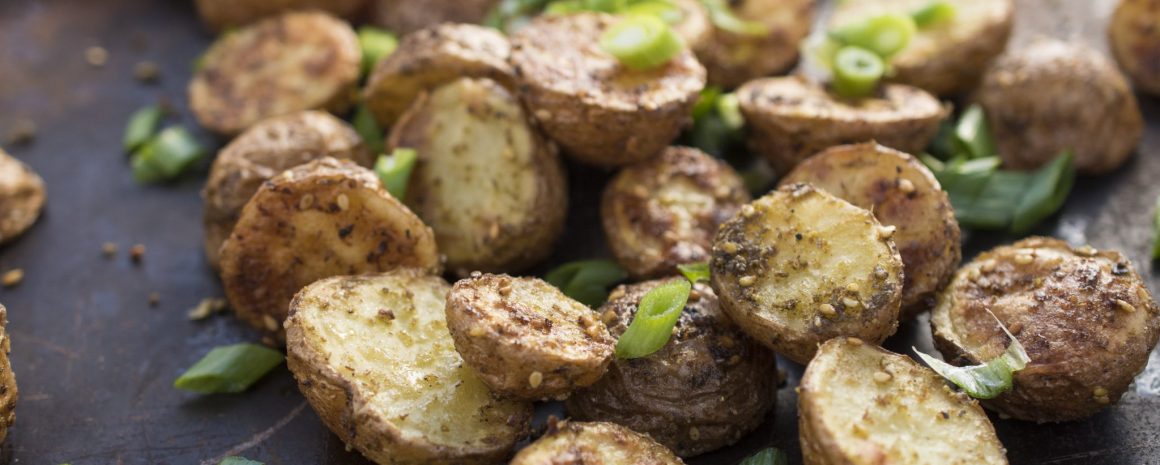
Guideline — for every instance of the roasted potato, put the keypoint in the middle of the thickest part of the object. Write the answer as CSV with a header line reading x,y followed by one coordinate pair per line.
x,y
862,405
1084,316
325,218
1052,97
733,59
8,391
22,197
1135,42
944,59
487,182
373,357
578,443
903,193
525,338
800,266
705,389
599,111
281,65
220,15
432,57
663,212
791,119
266,149
694,26
407,16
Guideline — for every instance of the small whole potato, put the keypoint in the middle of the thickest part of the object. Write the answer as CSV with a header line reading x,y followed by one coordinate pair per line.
x,y
221,15
407,16
1084,316
8,391
694,26
22,197
705,389
579,443
733,59
663,212
1135,42
799,266
1054,96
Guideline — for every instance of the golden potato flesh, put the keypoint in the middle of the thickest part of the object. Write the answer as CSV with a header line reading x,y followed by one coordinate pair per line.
x,y
1084,316
705,389
487,182
8,391
1135,41
373,357
579,443
325,218
800,266
862,405
601,112
664,211
733,59
525,338
266,149
791,119
22,197
407,16
221,15
1052,97
903,193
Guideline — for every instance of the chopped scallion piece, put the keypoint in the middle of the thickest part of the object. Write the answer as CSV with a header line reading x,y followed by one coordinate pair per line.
x,y
166,156
587,281
1047,189
730,110
707,102
376,44
988,380
641,42
395,170
695,272
509,15
973,134
652,326
767,456
141,127
607,6
663,9
934,13
723,17
368,129
884,35
985,197
229,369
239,461
1156,228
857,72
564,7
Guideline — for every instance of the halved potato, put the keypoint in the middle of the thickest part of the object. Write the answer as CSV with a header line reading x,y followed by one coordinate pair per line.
x,y
800,266
220,15
1135,42
600,111
8,391
791,119
525,338
266,149
578,443
407,16
1084,316
432,57
22,197
373,356
325,218
694,26
901,192
862,405
487,182
734,59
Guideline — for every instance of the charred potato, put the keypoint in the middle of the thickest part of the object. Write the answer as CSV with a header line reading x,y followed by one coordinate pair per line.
x,y
8,391
800,266
432,57
22,197
944,59
705,389
221,15
599,111
578,443
281,65
407,16
733,59
1135,42
266,149
1052,97
1084,316
791,119
373,357
862,405
525,338
903,193
491,187
325,218
663,212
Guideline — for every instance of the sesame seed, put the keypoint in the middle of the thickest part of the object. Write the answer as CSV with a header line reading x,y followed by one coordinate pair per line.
x,y
694,433
108,249
608,317
137,253
306,201
854,341
886,232
747,211
852,287
343,202
270,323
1125,306
974,274
1103,400
747,281
850,302
882,377
827,310
96,56
1100,392
989,266
1087,251
905,186
476,331
1023,259
147,71
729,247
12,277
880,272
535,379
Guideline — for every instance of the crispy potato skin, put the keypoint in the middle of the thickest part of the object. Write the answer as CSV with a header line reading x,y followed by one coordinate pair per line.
x,y
487,182
1064,306
1135,42
219,15
599,111
704,390
431,57
442,415
407,16
663,212
800,266
862,405
901,192
281,65
325,218
946,59
508,329
579,443
1053,96
791,119
22,197
8,392
266,149
734,59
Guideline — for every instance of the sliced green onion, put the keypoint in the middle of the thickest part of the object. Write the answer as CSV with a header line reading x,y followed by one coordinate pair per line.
x,y
239,461
586,281
985,197
730,110
722,16
229,369
166,156
565,7
695,272
884,35
933,13
1047,189
641,42
663,9
933,163
368,129
944,147
510,15
988,380
857,72
656,315
141,127
707,102
607,6
376,44
1156,228
767,456
973,134
395,170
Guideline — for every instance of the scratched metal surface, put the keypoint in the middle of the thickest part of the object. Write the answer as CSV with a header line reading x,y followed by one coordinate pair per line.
x,y
95,361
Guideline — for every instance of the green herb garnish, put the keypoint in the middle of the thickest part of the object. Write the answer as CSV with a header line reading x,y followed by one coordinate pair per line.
x,y
857,72
641,42
239,461
723,17
767,456
166,156
884,35
973,134
652,326
394,170
933,14
368,129
587,281
229,369
376,44
988,380
695,272
142,126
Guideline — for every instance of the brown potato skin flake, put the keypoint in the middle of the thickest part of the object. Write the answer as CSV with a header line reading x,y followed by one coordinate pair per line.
x,y
22,197
582,443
